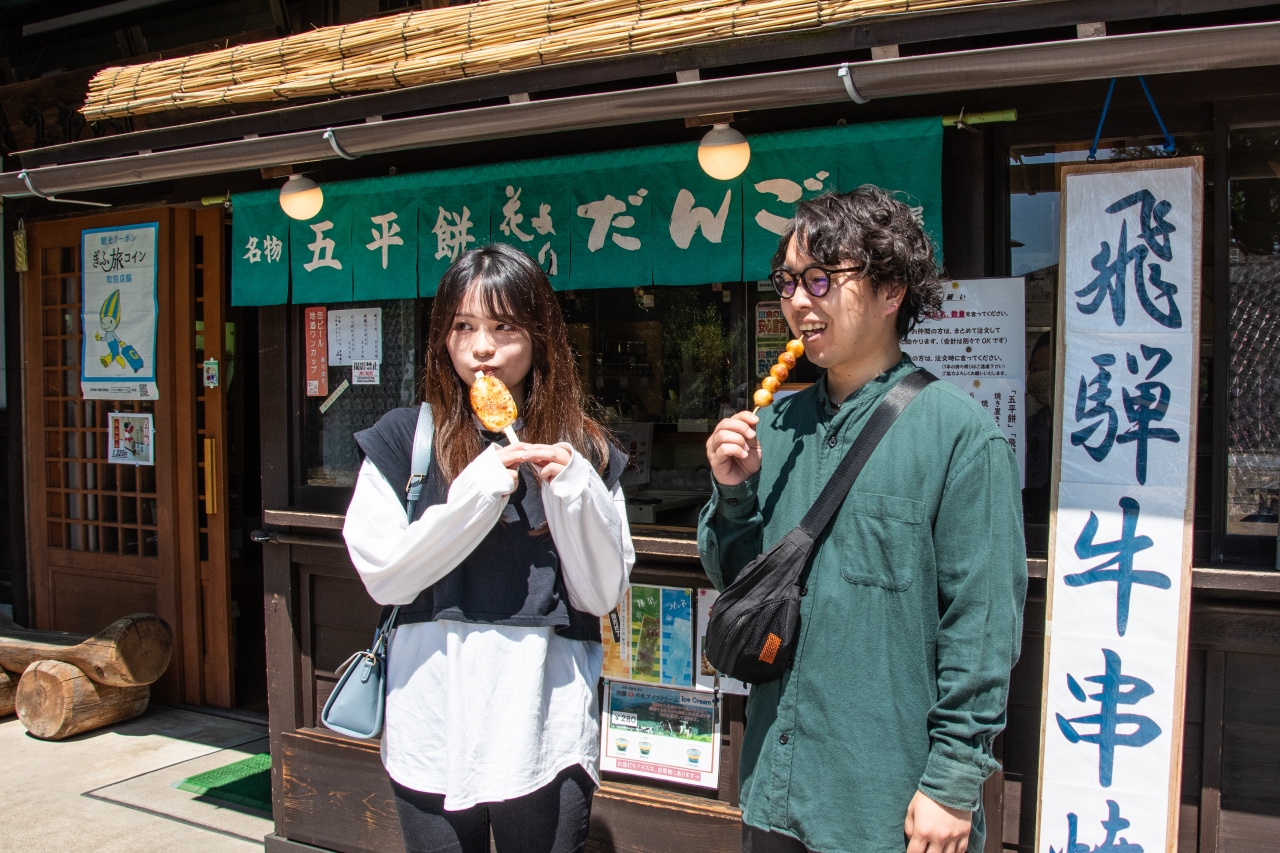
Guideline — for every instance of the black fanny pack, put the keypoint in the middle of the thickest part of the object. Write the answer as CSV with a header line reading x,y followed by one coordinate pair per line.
x,y
752,632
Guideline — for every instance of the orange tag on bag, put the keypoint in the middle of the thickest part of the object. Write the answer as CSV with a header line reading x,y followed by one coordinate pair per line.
x,y
771,645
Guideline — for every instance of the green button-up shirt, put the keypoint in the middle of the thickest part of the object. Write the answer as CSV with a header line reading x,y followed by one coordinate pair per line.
x,y
910,620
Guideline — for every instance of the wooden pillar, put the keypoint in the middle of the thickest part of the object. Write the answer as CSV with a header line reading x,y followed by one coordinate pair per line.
x,y
1211,772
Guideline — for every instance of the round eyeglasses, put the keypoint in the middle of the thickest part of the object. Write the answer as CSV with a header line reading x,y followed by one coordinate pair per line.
x,y
816,280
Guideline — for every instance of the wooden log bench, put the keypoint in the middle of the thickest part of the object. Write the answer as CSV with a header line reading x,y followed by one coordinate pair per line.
x,y
130,652
73,683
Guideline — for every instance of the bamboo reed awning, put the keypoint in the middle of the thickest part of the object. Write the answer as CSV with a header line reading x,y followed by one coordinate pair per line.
x,y
462,41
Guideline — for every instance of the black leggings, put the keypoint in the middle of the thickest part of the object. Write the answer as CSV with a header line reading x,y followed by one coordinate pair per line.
x,y
553,819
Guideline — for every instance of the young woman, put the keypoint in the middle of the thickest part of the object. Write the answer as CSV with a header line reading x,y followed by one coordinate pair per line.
x,y
518,549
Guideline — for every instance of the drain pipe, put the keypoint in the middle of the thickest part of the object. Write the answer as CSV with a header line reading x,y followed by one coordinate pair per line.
x,y
1171,52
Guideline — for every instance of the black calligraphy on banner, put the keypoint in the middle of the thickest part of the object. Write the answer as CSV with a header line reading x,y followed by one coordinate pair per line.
x,y
1146,404
1109,283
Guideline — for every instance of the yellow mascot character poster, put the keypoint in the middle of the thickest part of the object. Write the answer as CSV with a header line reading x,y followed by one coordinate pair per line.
x,y
119,312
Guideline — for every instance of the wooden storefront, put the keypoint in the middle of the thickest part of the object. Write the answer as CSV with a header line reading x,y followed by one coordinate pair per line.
x,y
330,792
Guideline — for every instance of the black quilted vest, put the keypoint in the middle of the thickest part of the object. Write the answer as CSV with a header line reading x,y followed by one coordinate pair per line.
x,y
512,577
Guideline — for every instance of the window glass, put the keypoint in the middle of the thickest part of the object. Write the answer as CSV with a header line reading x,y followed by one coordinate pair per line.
x,y
660,366
1035,182
1253,391
330,454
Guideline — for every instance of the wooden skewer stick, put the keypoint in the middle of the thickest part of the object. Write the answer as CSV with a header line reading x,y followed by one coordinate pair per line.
x,y
511,434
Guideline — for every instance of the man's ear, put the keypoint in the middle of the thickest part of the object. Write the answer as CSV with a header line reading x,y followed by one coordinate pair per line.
x,y
893,296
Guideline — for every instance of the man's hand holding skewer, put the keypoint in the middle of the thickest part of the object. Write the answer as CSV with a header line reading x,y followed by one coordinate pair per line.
x,y
733,451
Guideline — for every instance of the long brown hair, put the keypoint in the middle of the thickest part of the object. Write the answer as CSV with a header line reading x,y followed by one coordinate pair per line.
x,y
513,289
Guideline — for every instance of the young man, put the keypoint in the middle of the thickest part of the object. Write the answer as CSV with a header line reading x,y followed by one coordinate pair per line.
x,y
878,737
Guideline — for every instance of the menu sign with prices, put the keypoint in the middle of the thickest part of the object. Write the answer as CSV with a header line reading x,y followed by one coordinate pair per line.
x,y
132,438
1119,575
355,334
317,343
661,733
976,343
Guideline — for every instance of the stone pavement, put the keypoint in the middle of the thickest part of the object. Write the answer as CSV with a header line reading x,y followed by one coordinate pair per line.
x,y
110,791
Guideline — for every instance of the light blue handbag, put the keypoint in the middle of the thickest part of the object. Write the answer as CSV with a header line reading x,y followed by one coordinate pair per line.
x,y
356,706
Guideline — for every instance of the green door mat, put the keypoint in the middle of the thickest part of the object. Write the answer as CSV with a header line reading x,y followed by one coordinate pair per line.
x,y
245,783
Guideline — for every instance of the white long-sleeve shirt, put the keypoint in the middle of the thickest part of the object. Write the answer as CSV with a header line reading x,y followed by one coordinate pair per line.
x,y
478,712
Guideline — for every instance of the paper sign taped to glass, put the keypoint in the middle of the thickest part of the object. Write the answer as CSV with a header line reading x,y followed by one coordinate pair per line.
x,y
118,312
130,438
977,343
1119,577
660,733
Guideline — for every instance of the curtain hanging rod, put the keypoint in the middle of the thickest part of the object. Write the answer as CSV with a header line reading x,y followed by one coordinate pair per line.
x,y
1171,52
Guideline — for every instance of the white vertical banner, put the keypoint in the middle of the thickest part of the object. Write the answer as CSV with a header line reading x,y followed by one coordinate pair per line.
x,y
119,312
1119,583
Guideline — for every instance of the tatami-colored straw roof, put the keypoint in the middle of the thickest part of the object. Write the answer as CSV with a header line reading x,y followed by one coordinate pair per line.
x,y
462,41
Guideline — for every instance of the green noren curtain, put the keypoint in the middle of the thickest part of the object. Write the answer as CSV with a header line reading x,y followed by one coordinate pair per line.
x,y
627,218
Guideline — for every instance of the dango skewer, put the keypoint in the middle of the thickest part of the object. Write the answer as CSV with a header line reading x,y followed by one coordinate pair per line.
x,y
777,374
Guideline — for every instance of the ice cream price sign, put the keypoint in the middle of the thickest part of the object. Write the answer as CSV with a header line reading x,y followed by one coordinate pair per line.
x,y
1119,578
661,733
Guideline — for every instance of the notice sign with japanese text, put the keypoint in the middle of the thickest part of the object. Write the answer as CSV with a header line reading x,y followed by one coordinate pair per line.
x,y
317,343
976,344
660,733
355,334
771,335
1119,580
119,312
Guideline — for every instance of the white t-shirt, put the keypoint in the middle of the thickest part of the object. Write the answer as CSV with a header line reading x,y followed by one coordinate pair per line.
x,y
483,713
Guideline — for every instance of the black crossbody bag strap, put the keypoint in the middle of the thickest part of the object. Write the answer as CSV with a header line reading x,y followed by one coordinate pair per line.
x,y
833,494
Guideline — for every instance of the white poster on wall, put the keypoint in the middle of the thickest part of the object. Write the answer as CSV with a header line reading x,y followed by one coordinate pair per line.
x,y
1120,532
118,312
355,334
977,344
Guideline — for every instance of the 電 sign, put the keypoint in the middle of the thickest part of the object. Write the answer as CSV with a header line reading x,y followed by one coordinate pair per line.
x,y
1119,580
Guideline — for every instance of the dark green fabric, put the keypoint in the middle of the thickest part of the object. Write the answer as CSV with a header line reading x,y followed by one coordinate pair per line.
x,y
910,625
612,244
899,155
534,215
322,272
902,156
259,267
399,278
451,221
778,177
697,233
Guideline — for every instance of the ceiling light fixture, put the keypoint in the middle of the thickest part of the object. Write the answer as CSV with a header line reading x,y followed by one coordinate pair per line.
x,y
301,197
724,152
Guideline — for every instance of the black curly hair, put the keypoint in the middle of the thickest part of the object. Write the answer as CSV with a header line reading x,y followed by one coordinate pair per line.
x,y
873,230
